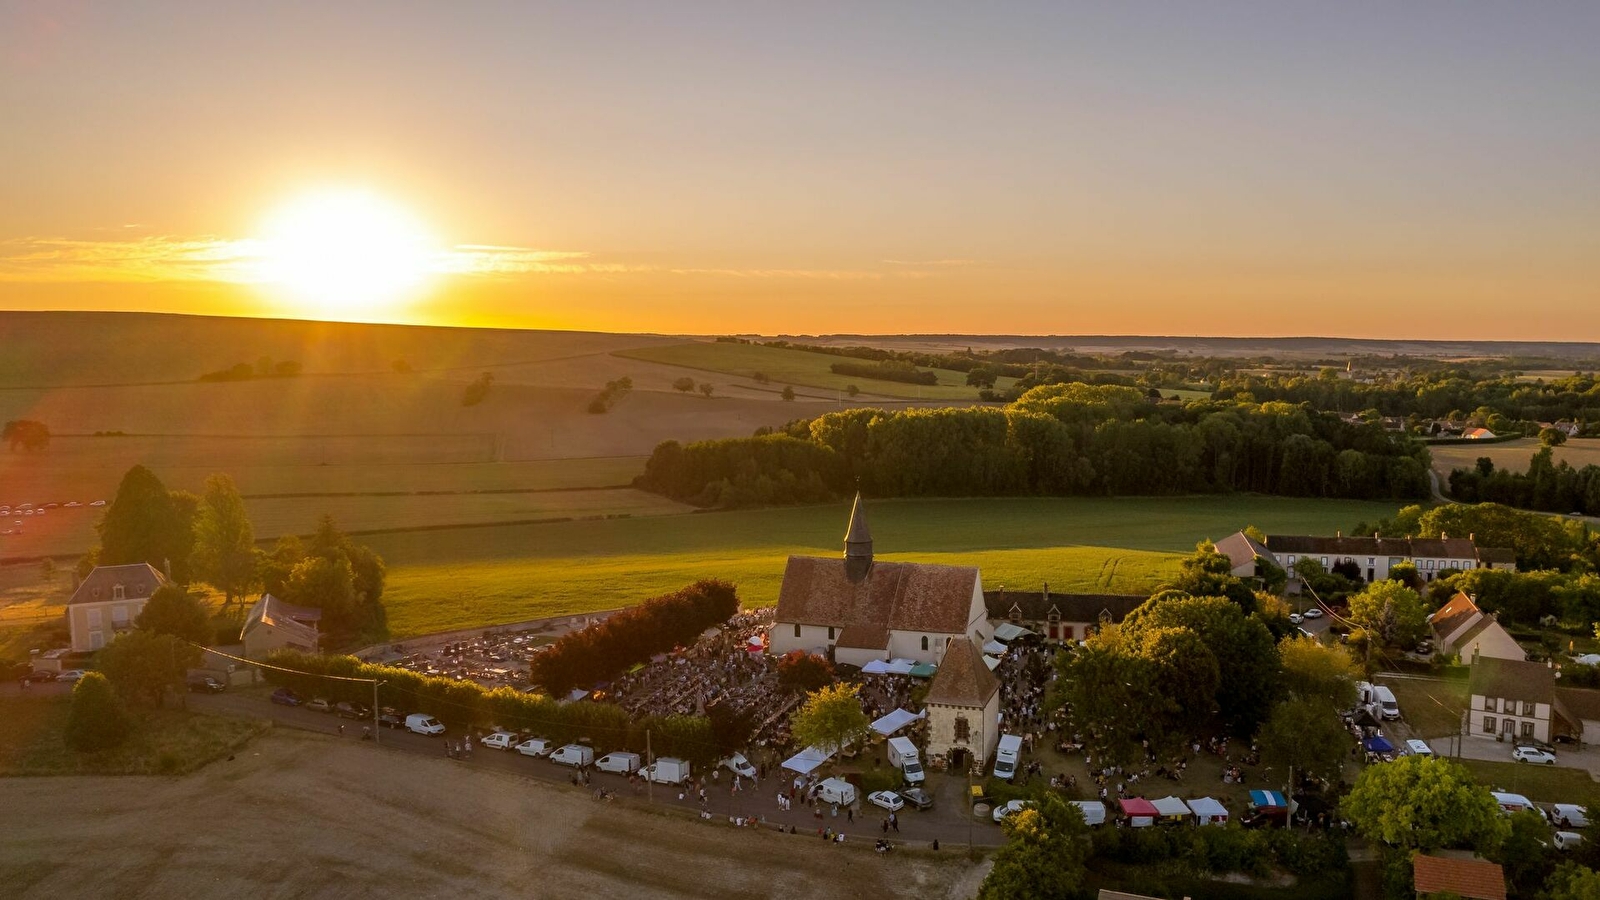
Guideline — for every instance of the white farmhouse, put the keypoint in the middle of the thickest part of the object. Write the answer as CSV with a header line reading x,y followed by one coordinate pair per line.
x,y
108,601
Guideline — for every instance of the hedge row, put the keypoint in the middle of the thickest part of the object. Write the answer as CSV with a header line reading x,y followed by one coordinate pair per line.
x,y
1226,848
463,704
602,651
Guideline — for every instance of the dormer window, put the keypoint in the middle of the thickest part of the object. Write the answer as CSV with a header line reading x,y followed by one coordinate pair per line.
x,y
117,592
1016,613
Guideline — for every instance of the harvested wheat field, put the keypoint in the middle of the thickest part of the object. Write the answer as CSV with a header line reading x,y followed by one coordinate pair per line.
x,y
298,815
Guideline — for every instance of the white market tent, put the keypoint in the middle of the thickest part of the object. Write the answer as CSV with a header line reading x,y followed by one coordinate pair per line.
x,y
995,647
1009,631
1208,811
807,760
875,667
895,721
992,662
901,666
1171,808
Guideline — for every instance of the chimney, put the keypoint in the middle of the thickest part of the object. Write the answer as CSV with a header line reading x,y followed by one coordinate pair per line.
x,y
167,564
1339,533
1047,592
1472,536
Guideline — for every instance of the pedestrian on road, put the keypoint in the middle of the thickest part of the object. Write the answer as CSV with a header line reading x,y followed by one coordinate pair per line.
x,y
341,729
885,826
894,822
850,814
836,810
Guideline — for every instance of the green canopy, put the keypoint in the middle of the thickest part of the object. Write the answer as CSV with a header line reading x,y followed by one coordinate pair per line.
x,y
923,670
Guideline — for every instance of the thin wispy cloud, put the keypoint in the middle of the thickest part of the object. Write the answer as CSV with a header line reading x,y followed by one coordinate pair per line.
x,y
930,263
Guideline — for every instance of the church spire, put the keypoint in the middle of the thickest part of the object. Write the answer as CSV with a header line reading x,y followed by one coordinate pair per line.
x,y
858,538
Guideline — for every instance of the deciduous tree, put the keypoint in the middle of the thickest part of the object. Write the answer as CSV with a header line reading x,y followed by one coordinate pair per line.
x,y
1390,613
172,610
147,523
224,542
1044,857
143,664
1425,803
96,720
831,718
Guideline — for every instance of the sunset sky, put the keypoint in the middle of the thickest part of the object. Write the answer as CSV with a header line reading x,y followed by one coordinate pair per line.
x,y
1426,170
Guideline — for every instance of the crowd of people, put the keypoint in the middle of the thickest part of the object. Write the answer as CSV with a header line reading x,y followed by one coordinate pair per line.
x,y
493,659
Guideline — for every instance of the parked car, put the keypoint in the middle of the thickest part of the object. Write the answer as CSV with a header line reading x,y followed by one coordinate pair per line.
x,y
1568,840
1568,815
353,710
536,747
206,684
73,504
1295,618
319,704
72,676
1312,613
575,755
40,675
1011,809
1533,755
887,799
500,740
422,723
917,797
621,763
391,720
739,765
98,503
286,697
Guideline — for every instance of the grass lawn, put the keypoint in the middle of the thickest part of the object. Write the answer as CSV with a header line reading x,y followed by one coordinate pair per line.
x,y
1432,708
799,367
457,578
165,742
1548,784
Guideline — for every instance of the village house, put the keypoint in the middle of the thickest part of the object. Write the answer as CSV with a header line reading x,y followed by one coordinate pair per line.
x,y
963,710
1065,617
1512,700
855,609
108,601
1372,557
1469,879
1461,628
273,624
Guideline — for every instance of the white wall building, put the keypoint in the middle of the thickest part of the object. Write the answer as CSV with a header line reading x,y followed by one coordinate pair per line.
x,y
108,601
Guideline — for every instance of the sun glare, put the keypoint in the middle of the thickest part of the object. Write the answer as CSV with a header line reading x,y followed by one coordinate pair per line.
x,y
345,254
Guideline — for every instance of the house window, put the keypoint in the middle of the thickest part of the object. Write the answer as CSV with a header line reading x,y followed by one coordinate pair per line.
x,y
1066,632
1509,726
924,642
1291,560
119,615
1527,729
797,631
963,730
1324,562
96,640
94,618
1527,709
830,632
1372,561
1016,614
117,592
1488,724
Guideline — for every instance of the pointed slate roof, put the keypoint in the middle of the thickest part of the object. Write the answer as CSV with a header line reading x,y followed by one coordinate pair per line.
x,y
963,679
138,580
858,537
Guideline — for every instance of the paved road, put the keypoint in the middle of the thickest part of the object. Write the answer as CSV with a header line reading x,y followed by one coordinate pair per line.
x,y
945,822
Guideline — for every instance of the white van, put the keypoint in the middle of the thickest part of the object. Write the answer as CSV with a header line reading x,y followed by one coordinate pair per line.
x,y
1094,812
1385,698
903,756
422,723
575,755
536,747
835,790
668,770
1005,756
621,763
1511,803
1419,748
1568,815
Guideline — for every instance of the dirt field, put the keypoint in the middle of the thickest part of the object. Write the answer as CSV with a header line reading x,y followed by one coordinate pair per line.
x,y
297,815
1514,455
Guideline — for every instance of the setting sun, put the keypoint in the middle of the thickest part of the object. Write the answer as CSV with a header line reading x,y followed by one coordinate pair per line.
x,y
345,253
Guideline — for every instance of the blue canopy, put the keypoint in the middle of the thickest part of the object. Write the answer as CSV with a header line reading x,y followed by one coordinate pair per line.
x,y
1378,744
1268,800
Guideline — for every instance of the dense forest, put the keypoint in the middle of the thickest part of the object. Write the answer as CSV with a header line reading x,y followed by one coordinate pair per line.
x,y
1452,392
1063,439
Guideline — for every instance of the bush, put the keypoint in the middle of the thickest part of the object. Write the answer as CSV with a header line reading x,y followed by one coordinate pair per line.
x,y
804,672
603,650
96,720
887,370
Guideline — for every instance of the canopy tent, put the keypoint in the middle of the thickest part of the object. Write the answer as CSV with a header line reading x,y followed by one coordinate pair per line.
x,y
1008,632
875,667
993,662
1208,811
1140,812
1268,800
1588,659
901,666
1171,808
575,695
755,644
995,647
924,670
807,760
895,721
1378,744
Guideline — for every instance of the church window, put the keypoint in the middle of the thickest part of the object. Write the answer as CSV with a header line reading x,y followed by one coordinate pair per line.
x,y
963,730
924,642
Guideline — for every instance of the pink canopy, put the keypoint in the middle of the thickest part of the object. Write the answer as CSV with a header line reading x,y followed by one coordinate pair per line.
x,y
1138,806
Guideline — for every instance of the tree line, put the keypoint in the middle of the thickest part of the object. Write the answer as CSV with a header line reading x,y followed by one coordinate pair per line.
x,y
1547,485
263,368
887,370
1453,392
1056,440
464,704
209,538
658,625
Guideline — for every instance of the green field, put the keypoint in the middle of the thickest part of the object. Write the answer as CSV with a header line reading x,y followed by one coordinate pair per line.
x,y
440,580
799,368
1432,708
1544,784
1514,455
164,742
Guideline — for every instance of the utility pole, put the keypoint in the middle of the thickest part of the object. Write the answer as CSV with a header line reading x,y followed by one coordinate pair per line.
x,y
649,775
375,726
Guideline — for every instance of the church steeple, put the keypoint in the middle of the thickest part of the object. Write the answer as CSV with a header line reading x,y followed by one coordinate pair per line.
x,y
858,539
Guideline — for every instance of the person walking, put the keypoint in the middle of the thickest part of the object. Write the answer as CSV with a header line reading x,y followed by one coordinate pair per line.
x,y
850,814
894,822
